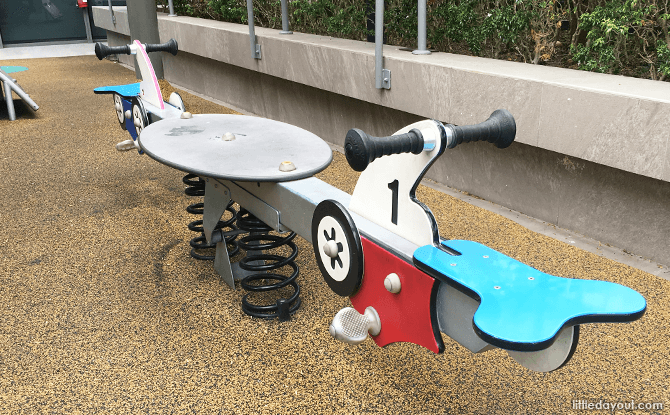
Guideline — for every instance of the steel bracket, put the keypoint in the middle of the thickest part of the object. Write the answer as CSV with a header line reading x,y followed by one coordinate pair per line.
x,y
257,52
386,78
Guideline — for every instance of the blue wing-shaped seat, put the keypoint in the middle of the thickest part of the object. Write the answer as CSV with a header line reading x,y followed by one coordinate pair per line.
x,y
12,69
130,90
520,307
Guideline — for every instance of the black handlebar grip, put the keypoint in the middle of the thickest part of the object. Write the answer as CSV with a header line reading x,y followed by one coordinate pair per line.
x,y
499,129
170,47
361,149
102,50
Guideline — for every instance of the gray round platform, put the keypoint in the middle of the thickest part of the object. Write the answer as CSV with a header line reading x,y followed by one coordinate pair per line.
x,y
196,145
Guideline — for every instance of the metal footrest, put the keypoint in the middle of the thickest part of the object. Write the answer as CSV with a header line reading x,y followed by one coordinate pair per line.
x,y
352,327
127,145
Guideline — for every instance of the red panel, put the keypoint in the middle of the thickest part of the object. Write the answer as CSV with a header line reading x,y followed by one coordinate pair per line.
x,y
406,316
82,3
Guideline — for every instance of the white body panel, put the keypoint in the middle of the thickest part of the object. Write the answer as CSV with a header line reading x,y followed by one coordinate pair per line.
x,y
149,89
168,111
373,198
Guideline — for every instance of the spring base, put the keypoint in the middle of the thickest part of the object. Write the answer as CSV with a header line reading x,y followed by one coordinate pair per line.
x,y
263,280
196,188
274,295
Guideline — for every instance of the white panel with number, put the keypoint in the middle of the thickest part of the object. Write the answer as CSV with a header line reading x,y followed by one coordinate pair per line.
x,y
382,193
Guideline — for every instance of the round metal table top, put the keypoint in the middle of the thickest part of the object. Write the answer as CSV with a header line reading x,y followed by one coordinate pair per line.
x,y
258,147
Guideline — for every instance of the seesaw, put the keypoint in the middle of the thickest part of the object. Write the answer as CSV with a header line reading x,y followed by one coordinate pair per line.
x,y
380,246
9,84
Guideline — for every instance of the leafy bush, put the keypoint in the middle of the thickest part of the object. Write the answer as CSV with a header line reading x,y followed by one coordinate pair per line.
x,y
228,10
619,37
339,18
625,37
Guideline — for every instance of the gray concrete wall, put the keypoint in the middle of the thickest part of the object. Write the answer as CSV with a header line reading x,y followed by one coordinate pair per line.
x,y
591,153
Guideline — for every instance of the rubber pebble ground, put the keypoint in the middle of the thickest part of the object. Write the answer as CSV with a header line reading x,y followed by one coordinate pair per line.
x,y
102,310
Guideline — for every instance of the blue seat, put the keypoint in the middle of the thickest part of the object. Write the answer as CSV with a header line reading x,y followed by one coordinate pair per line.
x,y
12,69
520,307
130,90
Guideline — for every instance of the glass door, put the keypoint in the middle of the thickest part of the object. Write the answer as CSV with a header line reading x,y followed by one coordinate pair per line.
x,y
25,21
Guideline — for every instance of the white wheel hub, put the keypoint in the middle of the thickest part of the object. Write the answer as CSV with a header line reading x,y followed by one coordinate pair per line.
x,y
331,249
334,249
137,119
118,106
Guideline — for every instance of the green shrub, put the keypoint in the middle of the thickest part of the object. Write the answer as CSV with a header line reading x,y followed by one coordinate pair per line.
x,y
619,37
339,18
232,11
625,36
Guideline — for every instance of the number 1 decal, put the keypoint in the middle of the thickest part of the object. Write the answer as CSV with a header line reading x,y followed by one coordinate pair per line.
x,y
394,204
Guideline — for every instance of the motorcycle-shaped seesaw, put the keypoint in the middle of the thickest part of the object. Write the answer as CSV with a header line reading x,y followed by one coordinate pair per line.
x,y
141,103
380,246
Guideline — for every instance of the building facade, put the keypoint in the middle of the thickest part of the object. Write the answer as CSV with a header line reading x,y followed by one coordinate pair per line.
x,y
36,21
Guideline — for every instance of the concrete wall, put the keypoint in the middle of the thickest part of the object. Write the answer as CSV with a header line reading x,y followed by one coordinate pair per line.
x,y
591,154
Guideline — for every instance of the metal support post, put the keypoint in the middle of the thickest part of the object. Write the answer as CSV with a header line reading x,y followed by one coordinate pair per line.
x,y
9,100
87,24
171,4
382,76
284,18
111,12
255,48
422,50
216,200
1,46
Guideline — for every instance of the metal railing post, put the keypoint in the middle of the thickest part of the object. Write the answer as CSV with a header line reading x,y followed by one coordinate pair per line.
x,y
171,4
255,48
422,50
370,20
111,12
284,18
382,76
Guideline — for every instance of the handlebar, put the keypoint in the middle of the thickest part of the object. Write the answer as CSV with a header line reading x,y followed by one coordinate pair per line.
x,y
362,149
102,51
498,129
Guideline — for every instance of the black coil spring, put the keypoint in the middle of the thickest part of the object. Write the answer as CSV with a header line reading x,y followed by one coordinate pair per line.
x,y
263,280
196,188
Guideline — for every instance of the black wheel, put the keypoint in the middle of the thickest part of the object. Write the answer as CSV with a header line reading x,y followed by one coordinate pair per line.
x,y
118,107
337,247
140,119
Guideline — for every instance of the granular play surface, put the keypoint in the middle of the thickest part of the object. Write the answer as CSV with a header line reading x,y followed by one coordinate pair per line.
x,y
102,310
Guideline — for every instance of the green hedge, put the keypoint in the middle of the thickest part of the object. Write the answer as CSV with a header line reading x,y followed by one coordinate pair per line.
x,y
618,37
